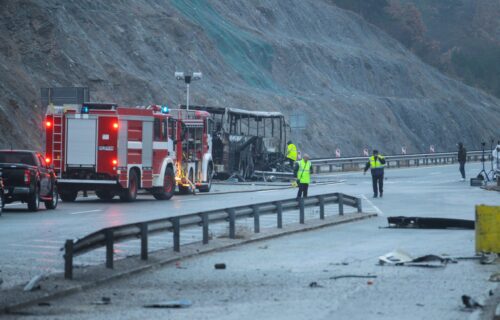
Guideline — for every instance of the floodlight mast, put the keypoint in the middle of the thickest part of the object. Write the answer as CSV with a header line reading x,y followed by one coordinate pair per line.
x,y
187,80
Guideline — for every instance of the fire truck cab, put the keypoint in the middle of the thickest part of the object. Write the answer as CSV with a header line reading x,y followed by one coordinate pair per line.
x,y
116,150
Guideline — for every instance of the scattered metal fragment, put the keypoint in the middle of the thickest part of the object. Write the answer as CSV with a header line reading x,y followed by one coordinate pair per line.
x,y
430,223
183,303
420,305
353,276
401,258
495,277
314,284
34,283
44,304
490,258
470,303
103,301
220,266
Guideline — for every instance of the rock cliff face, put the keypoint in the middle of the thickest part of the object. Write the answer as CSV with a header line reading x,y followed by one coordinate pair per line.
x,y
355,86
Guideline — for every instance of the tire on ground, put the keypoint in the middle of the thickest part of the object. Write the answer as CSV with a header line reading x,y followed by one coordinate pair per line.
x,y
105,195
34,200
52,204
167,191
130,194
68,196
208,186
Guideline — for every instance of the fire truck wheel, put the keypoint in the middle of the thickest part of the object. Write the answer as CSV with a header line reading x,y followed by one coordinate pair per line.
x,y
167,191
105,195
129,194
68,196
208,186
52,204
34,200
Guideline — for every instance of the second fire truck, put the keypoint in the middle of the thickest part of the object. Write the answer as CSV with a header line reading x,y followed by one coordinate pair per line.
x,y
116,150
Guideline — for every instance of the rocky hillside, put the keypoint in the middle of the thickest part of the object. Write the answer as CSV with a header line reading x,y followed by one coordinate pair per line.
x,y
356,86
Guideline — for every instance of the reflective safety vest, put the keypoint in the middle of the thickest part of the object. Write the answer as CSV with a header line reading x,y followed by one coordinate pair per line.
x,y
291,152
304,173
375,163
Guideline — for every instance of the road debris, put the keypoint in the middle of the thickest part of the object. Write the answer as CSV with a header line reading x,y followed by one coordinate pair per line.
x,y
44,304
470,303
430,223
490,258
314,284
220,266
176,304
401,258
103,301
369,276
34,283
495,277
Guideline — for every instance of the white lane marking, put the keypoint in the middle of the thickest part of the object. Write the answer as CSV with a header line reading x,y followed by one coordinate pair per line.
x,y
185,200
262,191
33,246
97,210
13,204
48,240
379,212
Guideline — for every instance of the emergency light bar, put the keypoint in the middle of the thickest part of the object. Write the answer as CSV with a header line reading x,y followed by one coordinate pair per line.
x,y
164,109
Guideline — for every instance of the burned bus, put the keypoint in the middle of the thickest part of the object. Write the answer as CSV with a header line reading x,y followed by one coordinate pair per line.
x,y
246,141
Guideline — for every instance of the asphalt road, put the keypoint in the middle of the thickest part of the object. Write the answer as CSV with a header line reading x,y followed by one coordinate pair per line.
x,y
30,242
272,279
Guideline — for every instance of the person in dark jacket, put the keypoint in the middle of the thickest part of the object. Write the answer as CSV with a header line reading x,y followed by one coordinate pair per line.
x,y
376,163
462,158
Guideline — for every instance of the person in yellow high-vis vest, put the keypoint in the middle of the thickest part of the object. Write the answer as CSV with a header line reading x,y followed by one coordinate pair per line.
x,y
376,163
303,176
291,153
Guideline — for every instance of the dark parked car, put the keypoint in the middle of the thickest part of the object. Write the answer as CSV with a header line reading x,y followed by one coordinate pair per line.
x,y
27,178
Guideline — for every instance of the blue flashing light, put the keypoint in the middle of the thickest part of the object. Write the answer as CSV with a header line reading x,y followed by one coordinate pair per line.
x,y
164,109
85,109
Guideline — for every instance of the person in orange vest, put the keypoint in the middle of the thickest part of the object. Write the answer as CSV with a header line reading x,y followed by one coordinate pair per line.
x,y
303,176
376,163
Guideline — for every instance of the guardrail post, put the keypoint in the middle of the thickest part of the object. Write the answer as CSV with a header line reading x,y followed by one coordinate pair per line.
x,y
341,204
256,219
301,208
321,207
176,226
398,164
68,259
144,241
109,248
279,215
232,223
358,205
204,219
330,167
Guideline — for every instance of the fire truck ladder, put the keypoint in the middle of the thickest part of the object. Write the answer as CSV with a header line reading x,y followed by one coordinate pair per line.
x,y
57,142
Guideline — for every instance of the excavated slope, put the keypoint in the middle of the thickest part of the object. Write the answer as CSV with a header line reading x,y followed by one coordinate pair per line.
x,y
355,86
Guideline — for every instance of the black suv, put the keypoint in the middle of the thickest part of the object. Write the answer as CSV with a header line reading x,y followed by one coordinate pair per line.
x,y
27,178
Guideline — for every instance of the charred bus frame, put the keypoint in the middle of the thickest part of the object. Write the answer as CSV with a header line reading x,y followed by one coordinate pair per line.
x,y
244,141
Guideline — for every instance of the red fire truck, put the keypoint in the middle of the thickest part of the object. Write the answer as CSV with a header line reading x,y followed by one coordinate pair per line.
x,y
116,150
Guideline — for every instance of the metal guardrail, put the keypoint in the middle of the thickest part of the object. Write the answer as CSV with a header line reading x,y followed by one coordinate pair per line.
x,y
107,237
355,163
396,161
